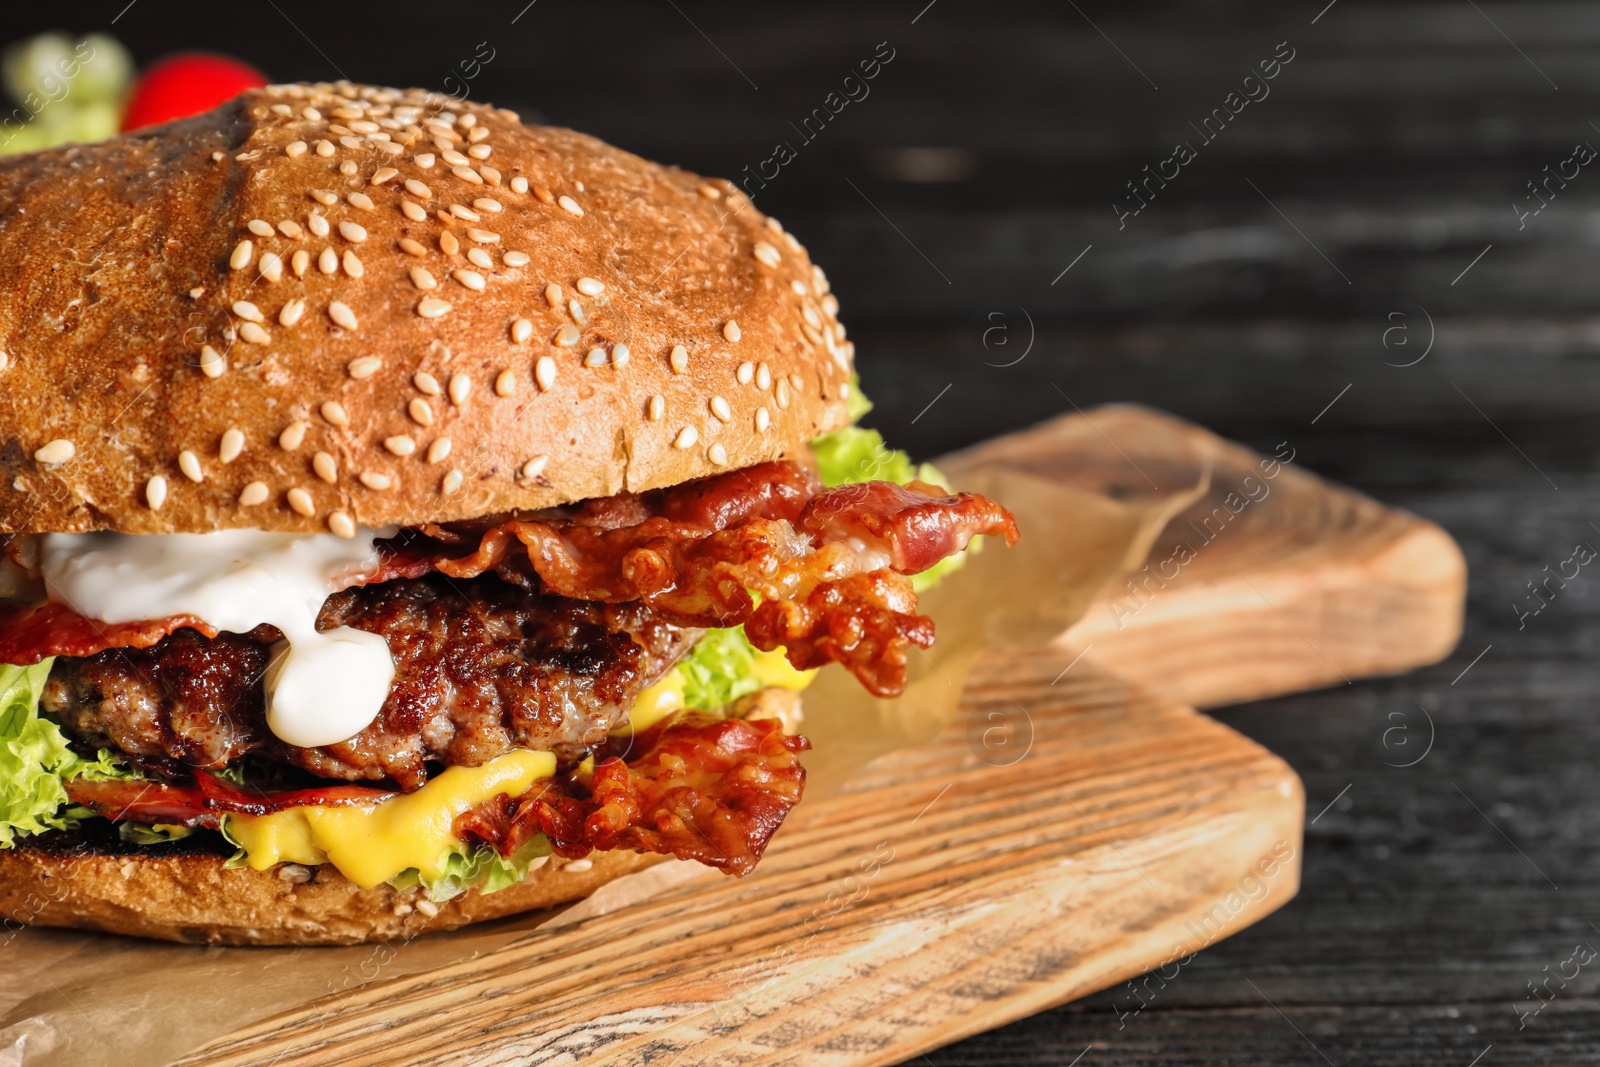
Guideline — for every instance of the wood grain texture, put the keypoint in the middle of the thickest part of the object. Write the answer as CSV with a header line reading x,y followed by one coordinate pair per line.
x,y
942,894
1274,582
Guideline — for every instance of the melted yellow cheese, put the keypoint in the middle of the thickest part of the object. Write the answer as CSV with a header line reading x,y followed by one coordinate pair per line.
x,y
372,843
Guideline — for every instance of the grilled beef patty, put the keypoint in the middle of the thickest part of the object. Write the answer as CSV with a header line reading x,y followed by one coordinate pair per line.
x,y
481,667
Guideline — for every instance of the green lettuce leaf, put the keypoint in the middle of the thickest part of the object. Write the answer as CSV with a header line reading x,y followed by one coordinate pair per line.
x,y
719,670
483,869
857,454
35,760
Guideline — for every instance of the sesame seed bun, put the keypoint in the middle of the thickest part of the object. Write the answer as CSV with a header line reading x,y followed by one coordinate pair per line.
x,y
323,306
177,893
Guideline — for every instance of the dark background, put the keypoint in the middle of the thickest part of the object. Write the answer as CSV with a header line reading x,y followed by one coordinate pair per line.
x,y
1247,296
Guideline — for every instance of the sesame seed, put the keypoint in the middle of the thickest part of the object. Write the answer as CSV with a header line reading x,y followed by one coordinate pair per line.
x,y
300,501
811,317
341,314
515,259
411,247
350,140
324,148
448,243
271,267
413,211
293,436
519,184
424,160
364,367
480,151
252,334
575,309
301,261
718,454
420,412
417,189
798,286
328,261
432,308
768,254
247,311
596,357
590,286
242,254
426,383
189,464
311,114
490,175
439,449
295,149
348,168
253,494
352,232
353,265
469,278
521,331
454,158
763,420
460,389
211,362
543,195
505,383
232,445
746,371
326,467
719,408
535,467
730,330
488,203
374,480
783,394
452,482
686,437
710,192
384,174
830,305
570,206
567,336
334,412
56,452
482,236
467,174
552,295
656,408
423,279
680,359
259,227
544,372
292,310
620,354
763,377
290,229
324,197
317,224
465,213
481,258
341,524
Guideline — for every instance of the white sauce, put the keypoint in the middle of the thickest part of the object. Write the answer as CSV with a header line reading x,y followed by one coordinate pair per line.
x,y
322,688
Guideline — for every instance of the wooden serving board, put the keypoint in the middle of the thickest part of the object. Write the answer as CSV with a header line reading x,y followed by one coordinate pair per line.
x,y
957,885
1274,582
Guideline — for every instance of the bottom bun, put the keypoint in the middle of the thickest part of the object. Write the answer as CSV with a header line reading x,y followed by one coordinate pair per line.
x,y
187,895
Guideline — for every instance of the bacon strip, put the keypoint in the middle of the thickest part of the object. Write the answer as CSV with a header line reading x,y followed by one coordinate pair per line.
x,y
204,801
821,573
705,789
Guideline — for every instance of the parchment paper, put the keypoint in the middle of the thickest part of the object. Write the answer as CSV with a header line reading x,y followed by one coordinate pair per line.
x,y
86,1000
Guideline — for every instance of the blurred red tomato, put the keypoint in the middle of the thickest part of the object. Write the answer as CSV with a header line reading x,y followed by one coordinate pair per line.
x,y
186,85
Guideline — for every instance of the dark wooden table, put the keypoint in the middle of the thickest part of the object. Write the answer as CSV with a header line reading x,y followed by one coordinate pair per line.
x,y
1273,289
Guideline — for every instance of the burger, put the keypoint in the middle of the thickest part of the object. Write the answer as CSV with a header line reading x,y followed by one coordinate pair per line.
x,y
410,517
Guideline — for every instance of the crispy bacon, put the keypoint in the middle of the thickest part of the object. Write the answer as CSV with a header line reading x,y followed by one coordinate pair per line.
x,y
818,572
205,800
30,633
706,789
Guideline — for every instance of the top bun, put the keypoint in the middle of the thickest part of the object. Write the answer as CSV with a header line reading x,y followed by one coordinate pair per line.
x,y
323,306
